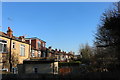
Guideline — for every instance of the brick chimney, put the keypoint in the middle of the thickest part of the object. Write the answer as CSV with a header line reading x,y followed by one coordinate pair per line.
x,y
9,32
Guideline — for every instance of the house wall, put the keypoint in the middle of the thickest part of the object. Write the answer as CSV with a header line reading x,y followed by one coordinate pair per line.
x,y
55,67
34,45
15,53
8,42
61,57
42,68
20,68
4,56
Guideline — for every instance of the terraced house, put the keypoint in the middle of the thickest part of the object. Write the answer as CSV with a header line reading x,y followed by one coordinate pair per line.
x,y
38,47
13,50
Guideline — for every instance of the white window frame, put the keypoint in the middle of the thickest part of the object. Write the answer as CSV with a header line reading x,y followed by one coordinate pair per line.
x,y
22,53
3,46
39,53
32,53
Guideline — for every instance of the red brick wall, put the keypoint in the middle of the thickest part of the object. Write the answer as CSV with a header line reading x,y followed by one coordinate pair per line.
x,y
64,70
33,43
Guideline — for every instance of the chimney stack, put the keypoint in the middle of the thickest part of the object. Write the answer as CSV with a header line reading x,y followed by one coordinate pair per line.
x,y
9,32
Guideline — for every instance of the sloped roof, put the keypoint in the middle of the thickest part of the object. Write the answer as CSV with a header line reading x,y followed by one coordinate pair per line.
x,y
35,38
13,37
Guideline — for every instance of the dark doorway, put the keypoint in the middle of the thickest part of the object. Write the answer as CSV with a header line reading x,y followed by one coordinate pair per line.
x,y
35,70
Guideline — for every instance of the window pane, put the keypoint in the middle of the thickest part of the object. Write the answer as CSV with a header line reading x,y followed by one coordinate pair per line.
x,y
44,55
39,53
0,47
32,55
33,51
3,41
5,48
39,45
22,50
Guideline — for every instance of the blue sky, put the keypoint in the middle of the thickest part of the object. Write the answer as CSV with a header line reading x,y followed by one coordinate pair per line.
x,y
63,25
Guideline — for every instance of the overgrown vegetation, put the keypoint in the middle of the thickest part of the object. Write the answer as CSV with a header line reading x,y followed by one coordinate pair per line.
x,y
105,55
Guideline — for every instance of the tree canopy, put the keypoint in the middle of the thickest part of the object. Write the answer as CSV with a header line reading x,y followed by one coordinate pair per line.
x,y
107,39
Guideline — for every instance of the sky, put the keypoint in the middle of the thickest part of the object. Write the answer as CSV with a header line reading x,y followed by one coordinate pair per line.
x,y
63,25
